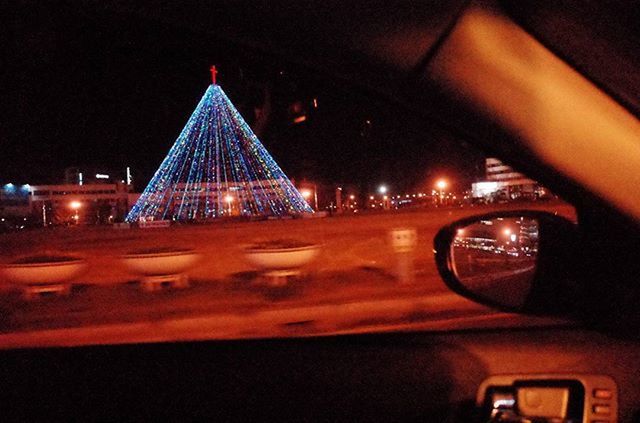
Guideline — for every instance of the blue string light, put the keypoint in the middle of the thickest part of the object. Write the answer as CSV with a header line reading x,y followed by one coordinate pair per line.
x,y
217,168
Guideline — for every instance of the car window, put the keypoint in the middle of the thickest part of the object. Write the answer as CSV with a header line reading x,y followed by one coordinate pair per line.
x,y
146,196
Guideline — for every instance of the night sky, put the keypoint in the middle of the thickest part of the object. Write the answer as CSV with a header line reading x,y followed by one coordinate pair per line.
x,y
86,87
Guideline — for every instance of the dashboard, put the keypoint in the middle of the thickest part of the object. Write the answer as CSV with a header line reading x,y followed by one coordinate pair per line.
x,y
385,377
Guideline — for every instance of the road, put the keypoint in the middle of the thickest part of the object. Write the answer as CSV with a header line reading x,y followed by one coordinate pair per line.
x,y
350,288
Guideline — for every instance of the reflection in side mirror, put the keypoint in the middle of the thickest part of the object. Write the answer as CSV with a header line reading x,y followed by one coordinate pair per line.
x,y
496,258
521,261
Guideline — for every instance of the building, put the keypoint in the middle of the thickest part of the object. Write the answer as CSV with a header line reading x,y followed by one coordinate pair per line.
x,y
14,200
81,204
504,183
95,175
85,196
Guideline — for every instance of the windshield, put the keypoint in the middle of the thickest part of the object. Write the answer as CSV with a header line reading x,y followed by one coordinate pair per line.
x,y
147,195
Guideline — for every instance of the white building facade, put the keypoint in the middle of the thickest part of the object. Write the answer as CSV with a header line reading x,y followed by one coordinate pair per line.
x,y
504,183
81,204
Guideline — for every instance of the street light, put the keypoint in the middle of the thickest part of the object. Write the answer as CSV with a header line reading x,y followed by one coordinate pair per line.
x,y
229,200
306,194
382,189
441,184
75,206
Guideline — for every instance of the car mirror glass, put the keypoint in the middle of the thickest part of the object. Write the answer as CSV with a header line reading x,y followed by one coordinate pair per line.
x,y
496,258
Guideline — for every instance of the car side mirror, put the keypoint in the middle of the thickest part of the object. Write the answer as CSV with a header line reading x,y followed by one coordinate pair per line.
x,y
517,261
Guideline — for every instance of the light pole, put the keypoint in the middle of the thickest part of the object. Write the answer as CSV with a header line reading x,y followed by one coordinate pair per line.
x,y
315,195
306,194
383,190
75,206
441,184
229,200
353,204
44,214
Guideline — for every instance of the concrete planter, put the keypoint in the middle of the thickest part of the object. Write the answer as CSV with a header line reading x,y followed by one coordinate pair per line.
x,y
268,259
160,263
44,272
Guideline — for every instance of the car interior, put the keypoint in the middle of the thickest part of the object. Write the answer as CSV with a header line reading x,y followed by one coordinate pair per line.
x,y
552,88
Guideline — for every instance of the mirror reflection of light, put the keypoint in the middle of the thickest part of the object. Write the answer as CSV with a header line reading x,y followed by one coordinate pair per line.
x,y
504,403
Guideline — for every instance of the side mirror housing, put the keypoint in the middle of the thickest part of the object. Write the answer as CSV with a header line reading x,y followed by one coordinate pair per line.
x,y
516,261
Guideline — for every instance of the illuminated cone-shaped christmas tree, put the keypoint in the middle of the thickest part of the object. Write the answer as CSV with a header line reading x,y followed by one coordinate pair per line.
x,y
217,167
